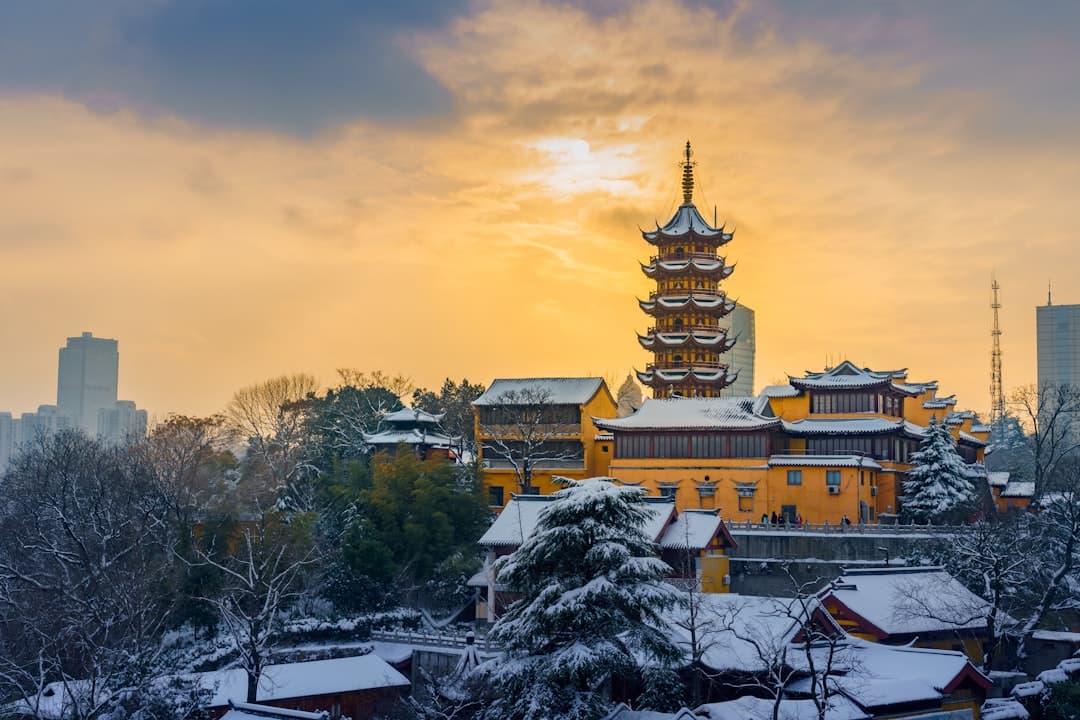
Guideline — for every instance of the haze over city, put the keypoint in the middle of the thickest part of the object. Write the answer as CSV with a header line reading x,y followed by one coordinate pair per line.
x,y
236,191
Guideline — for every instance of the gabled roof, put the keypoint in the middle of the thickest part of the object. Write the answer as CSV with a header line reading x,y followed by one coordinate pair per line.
x,y
848,376
1018,489
749,707
906,600
409,437
555,391
302,679
692,414
695,530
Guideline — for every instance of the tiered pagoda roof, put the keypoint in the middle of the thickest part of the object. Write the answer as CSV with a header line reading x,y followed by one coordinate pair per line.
x,y
848,376
687,341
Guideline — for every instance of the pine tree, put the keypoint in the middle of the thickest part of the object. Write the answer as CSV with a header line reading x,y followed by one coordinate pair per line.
x,y
938,487
592,599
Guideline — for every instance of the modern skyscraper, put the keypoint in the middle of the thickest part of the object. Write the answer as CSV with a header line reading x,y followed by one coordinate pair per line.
x,y
740,326
7,438
87,379
1058,342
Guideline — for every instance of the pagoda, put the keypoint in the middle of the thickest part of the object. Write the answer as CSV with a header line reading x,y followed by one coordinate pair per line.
x,y
687,341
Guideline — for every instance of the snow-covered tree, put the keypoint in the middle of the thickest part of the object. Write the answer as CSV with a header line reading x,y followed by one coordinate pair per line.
x,y
629,397
938,487
592,602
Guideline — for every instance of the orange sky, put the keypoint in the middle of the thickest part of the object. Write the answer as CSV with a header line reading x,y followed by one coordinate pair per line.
x,y
501,238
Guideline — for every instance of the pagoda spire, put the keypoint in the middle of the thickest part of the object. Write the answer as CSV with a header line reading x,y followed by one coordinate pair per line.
x,y
688,176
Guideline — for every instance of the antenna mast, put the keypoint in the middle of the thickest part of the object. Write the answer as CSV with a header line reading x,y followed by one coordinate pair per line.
x,y
997,395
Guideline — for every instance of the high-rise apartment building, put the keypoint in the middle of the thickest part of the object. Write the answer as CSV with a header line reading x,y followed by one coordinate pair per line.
x,y
7,438
87,379
1058,343
740,325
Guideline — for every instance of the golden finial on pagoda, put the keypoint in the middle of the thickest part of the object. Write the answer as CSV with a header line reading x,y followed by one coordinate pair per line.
x,y
688,176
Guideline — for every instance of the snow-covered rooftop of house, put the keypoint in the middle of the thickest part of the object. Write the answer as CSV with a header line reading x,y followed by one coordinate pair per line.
x,y
622,712
554,391
1056,636
410,437
1003,709
939,403
997,478
1053,676
412,415
691,529
1028,689
755,708
251,711
909,600
292,680
519,519
738,626
825,461
1018,489
692,413
685,219
883,675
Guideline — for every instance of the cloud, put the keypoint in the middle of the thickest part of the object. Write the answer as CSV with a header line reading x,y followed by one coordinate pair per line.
x,y
271,64
869,204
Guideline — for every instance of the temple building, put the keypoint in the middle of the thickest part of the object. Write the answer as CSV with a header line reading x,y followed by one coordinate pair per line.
x,y
825,446
687,339
419,430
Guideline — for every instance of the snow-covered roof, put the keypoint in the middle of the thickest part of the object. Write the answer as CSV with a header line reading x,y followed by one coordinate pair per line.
x,y
554,391
1018,489
251,711
846,426
754,708
780,391
739,625
409,437
694,530
623,712
880,676
676,300
687,219
701,338
825,461
939,403
908,600
696,263
1053,676
997,478
1003,709
692,414
1057,636
519,519
412,415
1028,689
848,376
293,680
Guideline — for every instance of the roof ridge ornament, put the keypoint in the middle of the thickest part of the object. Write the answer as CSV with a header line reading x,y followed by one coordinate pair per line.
x,y
688,175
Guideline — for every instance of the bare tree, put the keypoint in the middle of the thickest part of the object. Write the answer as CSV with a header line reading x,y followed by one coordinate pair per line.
x,y
270,417
264,577
1052,415
527,430
399,385
794,640
85,575
188,457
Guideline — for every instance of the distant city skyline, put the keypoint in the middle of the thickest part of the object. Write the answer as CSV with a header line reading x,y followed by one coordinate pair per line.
x,y
1058,328
439,189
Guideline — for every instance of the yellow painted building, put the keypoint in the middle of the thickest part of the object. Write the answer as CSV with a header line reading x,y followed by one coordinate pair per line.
x,y
828,445
530,430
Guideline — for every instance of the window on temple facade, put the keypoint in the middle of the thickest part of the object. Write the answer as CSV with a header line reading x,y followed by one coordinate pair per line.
x,y
794,477
698,445
832,477
495,496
